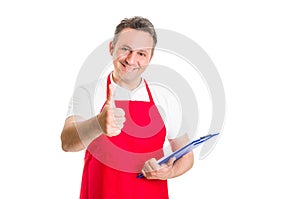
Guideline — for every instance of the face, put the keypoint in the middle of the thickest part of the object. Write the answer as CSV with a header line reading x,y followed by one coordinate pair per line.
x,y
131,55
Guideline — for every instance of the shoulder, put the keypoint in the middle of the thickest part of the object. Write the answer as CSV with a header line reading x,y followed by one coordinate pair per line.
x,y
162,93
88,98
90,89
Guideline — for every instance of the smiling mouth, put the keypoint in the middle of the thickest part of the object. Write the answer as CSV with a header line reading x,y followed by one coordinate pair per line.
x,y
128,68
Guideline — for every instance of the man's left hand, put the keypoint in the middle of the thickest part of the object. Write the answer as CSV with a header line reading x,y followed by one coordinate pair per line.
x,y
152,170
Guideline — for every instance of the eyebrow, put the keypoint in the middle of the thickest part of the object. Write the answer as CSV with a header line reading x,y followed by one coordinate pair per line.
x,y
126,46
139,49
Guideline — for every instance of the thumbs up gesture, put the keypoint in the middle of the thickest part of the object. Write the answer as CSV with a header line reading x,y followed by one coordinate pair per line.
x,y
111,119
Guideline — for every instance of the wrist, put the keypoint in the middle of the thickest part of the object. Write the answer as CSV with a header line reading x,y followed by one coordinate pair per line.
x,y
91,131
171,174
96,124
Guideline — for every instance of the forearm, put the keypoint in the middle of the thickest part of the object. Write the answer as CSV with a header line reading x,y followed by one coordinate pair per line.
x,y
152,170
186,162
77,134
182,165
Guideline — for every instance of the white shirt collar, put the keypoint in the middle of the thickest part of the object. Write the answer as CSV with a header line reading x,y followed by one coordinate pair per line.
x,y
138,94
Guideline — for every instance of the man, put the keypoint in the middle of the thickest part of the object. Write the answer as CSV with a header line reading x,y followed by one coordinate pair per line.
x,y
127,132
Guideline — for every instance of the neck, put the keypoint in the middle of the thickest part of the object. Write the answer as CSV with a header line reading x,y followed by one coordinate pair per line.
x,y
130,84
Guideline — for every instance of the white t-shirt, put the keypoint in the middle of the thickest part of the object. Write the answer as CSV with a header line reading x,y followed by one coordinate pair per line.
x,y
88,100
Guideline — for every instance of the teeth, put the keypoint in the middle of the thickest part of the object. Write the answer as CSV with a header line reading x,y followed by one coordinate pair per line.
x,y
128,67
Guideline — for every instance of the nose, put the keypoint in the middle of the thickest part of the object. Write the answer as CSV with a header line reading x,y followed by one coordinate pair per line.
x,y
131,58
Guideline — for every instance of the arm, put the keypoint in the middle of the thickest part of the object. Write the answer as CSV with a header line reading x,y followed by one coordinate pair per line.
x,y
78,133
186,162
172,169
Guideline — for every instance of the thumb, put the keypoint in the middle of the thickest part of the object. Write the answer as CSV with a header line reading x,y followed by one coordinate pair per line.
x,y
110,99
171,161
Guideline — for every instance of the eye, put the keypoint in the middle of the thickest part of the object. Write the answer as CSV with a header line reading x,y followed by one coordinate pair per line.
x,y
125,49
142,54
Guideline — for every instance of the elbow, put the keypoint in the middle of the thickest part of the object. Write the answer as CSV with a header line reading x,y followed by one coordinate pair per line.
x,y
65,143
192,164
191,159
65,147
68,145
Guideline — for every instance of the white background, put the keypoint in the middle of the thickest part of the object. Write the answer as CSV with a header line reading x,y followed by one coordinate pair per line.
x,y
255,46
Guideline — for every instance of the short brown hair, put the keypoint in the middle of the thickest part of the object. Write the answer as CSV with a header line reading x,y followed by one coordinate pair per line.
x,y
137,23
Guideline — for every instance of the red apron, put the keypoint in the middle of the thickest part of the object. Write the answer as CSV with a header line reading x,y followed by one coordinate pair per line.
x,y
112,163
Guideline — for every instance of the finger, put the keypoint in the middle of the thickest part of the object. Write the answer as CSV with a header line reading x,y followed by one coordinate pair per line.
x,y
115,118
171,161
144,173
147,168
113,131
111,120
153,164
114,126
118,112
120,122
110,98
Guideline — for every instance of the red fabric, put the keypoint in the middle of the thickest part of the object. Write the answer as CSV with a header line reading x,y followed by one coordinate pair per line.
x,y
112,164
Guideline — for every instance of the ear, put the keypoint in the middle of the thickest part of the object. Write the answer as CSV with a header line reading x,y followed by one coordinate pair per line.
x,y
111,48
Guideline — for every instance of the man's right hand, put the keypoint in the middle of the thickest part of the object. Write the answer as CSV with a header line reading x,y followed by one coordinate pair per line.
x,y
111,119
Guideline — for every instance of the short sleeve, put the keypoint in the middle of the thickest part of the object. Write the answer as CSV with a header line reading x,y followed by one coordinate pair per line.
x,y
169,107
81,103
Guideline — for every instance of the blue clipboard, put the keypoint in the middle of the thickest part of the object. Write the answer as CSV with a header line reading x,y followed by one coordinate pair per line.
x,y
182,151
